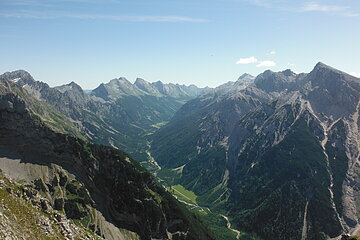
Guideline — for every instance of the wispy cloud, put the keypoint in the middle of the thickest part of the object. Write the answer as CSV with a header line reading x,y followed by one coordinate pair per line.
x,y
291,64
273,52
24,3
138,18
355,74
316,7
51,3
309,6
335,9
247,60
266,64
124,18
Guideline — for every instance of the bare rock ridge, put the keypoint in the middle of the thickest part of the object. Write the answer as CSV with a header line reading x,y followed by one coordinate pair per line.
x,y
280,153
118,113
25,214
99,188
121,87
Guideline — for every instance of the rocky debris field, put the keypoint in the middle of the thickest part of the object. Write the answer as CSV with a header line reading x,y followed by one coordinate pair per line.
x,y
25,214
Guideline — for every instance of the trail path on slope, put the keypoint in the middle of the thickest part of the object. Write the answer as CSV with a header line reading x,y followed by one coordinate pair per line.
x,y
228,225
304,229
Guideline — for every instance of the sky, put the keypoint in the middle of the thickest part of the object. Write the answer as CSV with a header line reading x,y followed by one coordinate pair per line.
x,y
199,42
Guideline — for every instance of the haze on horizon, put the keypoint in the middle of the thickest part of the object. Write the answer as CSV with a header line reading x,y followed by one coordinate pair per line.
x,y
186,42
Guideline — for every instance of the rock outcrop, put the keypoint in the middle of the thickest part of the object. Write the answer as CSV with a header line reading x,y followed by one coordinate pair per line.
x,y
281,155
100,188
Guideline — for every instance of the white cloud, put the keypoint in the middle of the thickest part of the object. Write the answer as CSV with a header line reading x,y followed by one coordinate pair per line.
x,y
337,9
315,7
266,64
247,60
272,52
309,6
355,74
351,14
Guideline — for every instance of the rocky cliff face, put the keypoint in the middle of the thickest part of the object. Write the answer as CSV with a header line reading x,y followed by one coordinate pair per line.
x,y
121,87
118,114
281,155
98,187
25,214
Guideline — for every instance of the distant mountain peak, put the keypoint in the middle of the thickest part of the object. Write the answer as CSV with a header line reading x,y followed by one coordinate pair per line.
x,y
288,72
141,83
325,68
120,80
140,80
158,82
322,65
73,86
17,75
146,87
245,75
244,80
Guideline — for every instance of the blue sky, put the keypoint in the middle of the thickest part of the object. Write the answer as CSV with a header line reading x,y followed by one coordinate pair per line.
x,y
201,42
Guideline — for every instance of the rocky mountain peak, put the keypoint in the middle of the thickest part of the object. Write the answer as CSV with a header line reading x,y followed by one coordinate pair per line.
x,y
244,79
70,87
74,84
320,69
119,81
101,92
18,75
288,73
158,84
326,76
321,65
141,81
245,75
275,81
146,87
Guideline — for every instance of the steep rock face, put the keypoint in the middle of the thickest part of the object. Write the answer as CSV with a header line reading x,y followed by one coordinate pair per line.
x,y
97,184
280,160
118,113
287,166
117,88
267,141
121,87
147,87
25,214
332,92
277,81
74,92
197,141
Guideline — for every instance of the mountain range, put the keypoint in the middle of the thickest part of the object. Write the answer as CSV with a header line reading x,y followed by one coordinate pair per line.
x,y
98,187
277,154
118,114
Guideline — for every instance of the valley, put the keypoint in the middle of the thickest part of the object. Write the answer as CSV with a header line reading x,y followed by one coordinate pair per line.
x,y
268,157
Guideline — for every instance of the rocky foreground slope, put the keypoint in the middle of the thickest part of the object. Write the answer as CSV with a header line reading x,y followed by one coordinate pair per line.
x,y
280,154
99,189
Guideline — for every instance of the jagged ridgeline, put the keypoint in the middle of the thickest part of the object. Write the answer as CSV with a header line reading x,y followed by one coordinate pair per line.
x,y
279,153
118,113
275,155
73,188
